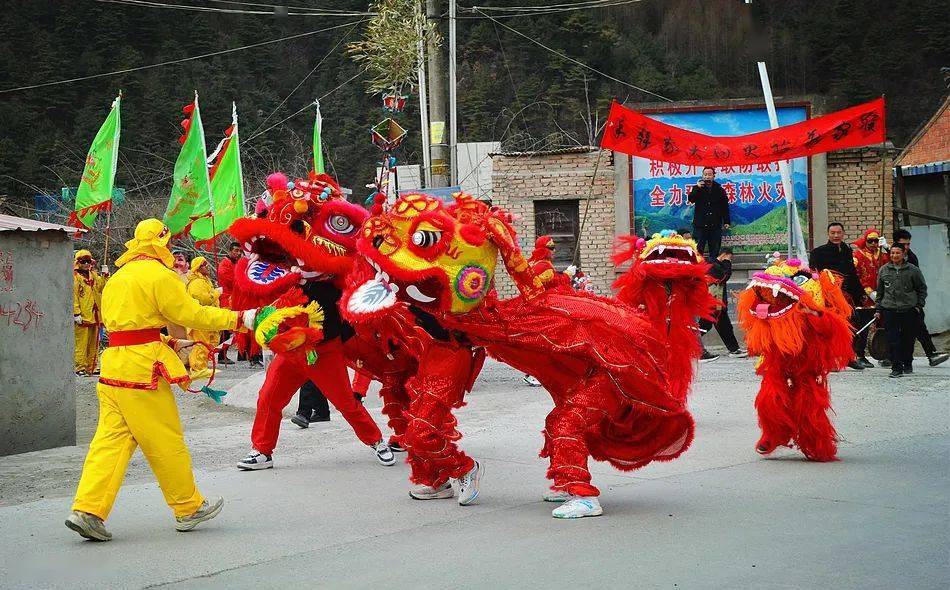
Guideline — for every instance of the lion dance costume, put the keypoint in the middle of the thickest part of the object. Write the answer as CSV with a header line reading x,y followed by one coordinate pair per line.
x,y
136,404
298,251
434,267
797,321
668,280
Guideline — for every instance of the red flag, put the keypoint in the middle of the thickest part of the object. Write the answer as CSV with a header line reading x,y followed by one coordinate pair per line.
x,y
632,133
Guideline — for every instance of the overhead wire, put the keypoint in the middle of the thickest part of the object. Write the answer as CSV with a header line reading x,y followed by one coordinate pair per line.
x,y
304,79
191,7
574,61
177,61
526,11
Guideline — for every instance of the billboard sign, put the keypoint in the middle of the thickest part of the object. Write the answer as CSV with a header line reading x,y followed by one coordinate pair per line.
x,y
755,192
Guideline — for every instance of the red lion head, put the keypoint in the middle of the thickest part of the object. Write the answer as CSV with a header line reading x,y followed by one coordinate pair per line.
x,y
305,231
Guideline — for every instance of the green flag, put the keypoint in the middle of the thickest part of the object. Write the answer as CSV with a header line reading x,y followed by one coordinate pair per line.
x,y
227,188
318,165
98,177
191,190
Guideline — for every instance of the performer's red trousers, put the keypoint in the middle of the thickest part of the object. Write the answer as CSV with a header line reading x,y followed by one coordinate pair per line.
x,y
285,375
431,432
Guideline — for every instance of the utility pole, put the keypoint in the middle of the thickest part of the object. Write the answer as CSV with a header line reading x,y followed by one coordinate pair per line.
x,y
437,82
453,98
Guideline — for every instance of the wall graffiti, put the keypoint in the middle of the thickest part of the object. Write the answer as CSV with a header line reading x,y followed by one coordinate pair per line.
x,y
26,315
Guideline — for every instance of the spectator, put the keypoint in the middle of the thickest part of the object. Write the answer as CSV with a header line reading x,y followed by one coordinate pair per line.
x,y
868,258
182,265
837,256
721,271
226,282
902,236
87,315
901,295
710,214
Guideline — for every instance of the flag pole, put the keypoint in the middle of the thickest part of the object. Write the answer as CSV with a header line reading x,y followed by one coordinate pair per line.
x,y
115,161
796,239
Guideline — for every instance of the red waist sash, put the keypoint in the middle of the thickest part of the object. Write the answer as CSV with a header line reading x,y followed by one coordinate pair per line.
x,y
133,337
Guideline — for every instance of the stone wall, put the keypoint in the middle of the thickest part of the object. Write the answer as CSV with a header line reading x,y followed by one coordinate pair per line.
x,y
521,179
859,191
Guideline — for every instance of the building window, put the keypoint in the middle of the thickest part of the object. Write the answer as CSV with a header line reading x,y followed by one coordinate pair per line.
x,y
559,220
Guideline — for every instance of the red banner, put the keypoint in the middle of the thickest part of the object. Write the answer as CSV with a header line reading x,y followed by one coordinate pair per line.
x,y
632,133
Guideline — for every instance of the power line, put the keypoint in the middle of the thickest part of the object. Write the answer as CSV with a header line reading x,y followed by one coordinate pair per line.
x,y
574,61
306,107
272,12
527,11
304,79
177,61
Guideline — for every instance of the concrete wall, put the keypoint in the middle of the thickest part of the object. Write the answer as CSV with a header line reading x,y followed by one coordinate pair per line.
x,y
931,246
37,381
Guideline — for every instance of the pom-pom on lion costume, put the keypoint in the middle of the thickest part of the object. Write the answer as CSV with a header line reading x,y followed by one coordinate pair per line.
x,y
797,321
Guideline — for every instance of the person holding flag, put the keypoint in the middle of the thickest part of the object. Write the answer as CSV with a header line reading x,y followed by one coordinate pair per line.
x,y
136,404
87,302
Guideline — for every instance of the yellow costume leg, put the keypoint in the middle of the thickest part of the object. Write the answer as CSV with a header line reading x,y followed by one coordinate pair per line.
x,y
127,416
107,459
92,348
152,417
80,355
198,358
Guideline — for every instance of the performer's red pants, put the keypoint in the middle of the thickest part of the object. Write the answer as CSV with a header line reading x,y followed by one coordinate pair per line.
x,y
430,432
285,375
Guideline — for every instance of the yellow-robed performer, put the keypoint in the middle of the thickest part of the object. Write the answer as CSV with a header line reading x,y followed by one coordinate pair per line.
x,y
136,404
87,296
202,289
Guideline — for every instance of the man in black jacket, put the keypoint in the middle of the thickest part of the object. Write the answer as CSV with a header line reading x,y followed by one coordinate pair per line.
x,y
902,236
710,214
837,256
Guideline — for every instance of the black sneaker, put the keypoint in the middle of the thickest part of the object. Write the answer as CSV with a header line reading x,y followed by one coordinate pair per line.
x,y
396,447
885,363
856,365
907,370
895,373
319,418
300,420
864,361
708,357
938,358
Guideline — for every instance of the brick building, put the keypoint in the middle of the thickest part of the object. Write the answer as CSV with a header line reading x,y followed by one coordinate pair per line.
x,y
547,193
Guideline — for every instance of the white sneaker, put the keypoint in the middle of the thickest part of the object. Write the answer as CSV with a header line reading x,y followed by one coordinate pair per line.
x,y
555,496
739,354
468,485
207,511
255,460
442,492
579,507
88,525
531,381
384,454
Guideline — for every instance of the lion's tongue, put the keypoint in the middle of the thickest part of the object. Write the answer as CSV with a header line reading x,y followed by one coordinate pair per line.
x,y
762,311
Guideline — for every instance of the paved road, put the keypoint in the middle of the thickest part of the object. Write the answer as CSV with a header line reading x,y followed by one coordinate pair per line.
x,y
329,516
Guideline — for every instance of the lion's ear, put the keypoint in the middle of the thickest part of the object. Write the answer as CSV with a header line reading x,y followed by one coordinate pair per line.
x,y
833,295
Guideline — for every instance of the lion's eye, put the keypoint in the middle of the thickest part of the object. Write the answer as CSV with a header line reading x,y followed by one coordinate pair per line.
x,y
424,238
341,224
800,279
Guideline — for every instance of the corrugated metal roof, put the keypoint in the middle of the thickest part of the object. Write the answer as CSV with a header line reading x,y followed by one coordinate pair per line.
x,y
920,169
10,223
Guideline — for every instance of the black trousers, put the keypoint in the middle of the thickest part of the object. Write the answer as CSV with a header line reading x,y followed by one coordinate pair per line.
x,y
312,402
923,336
711,236
859,318
901,329
724,328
